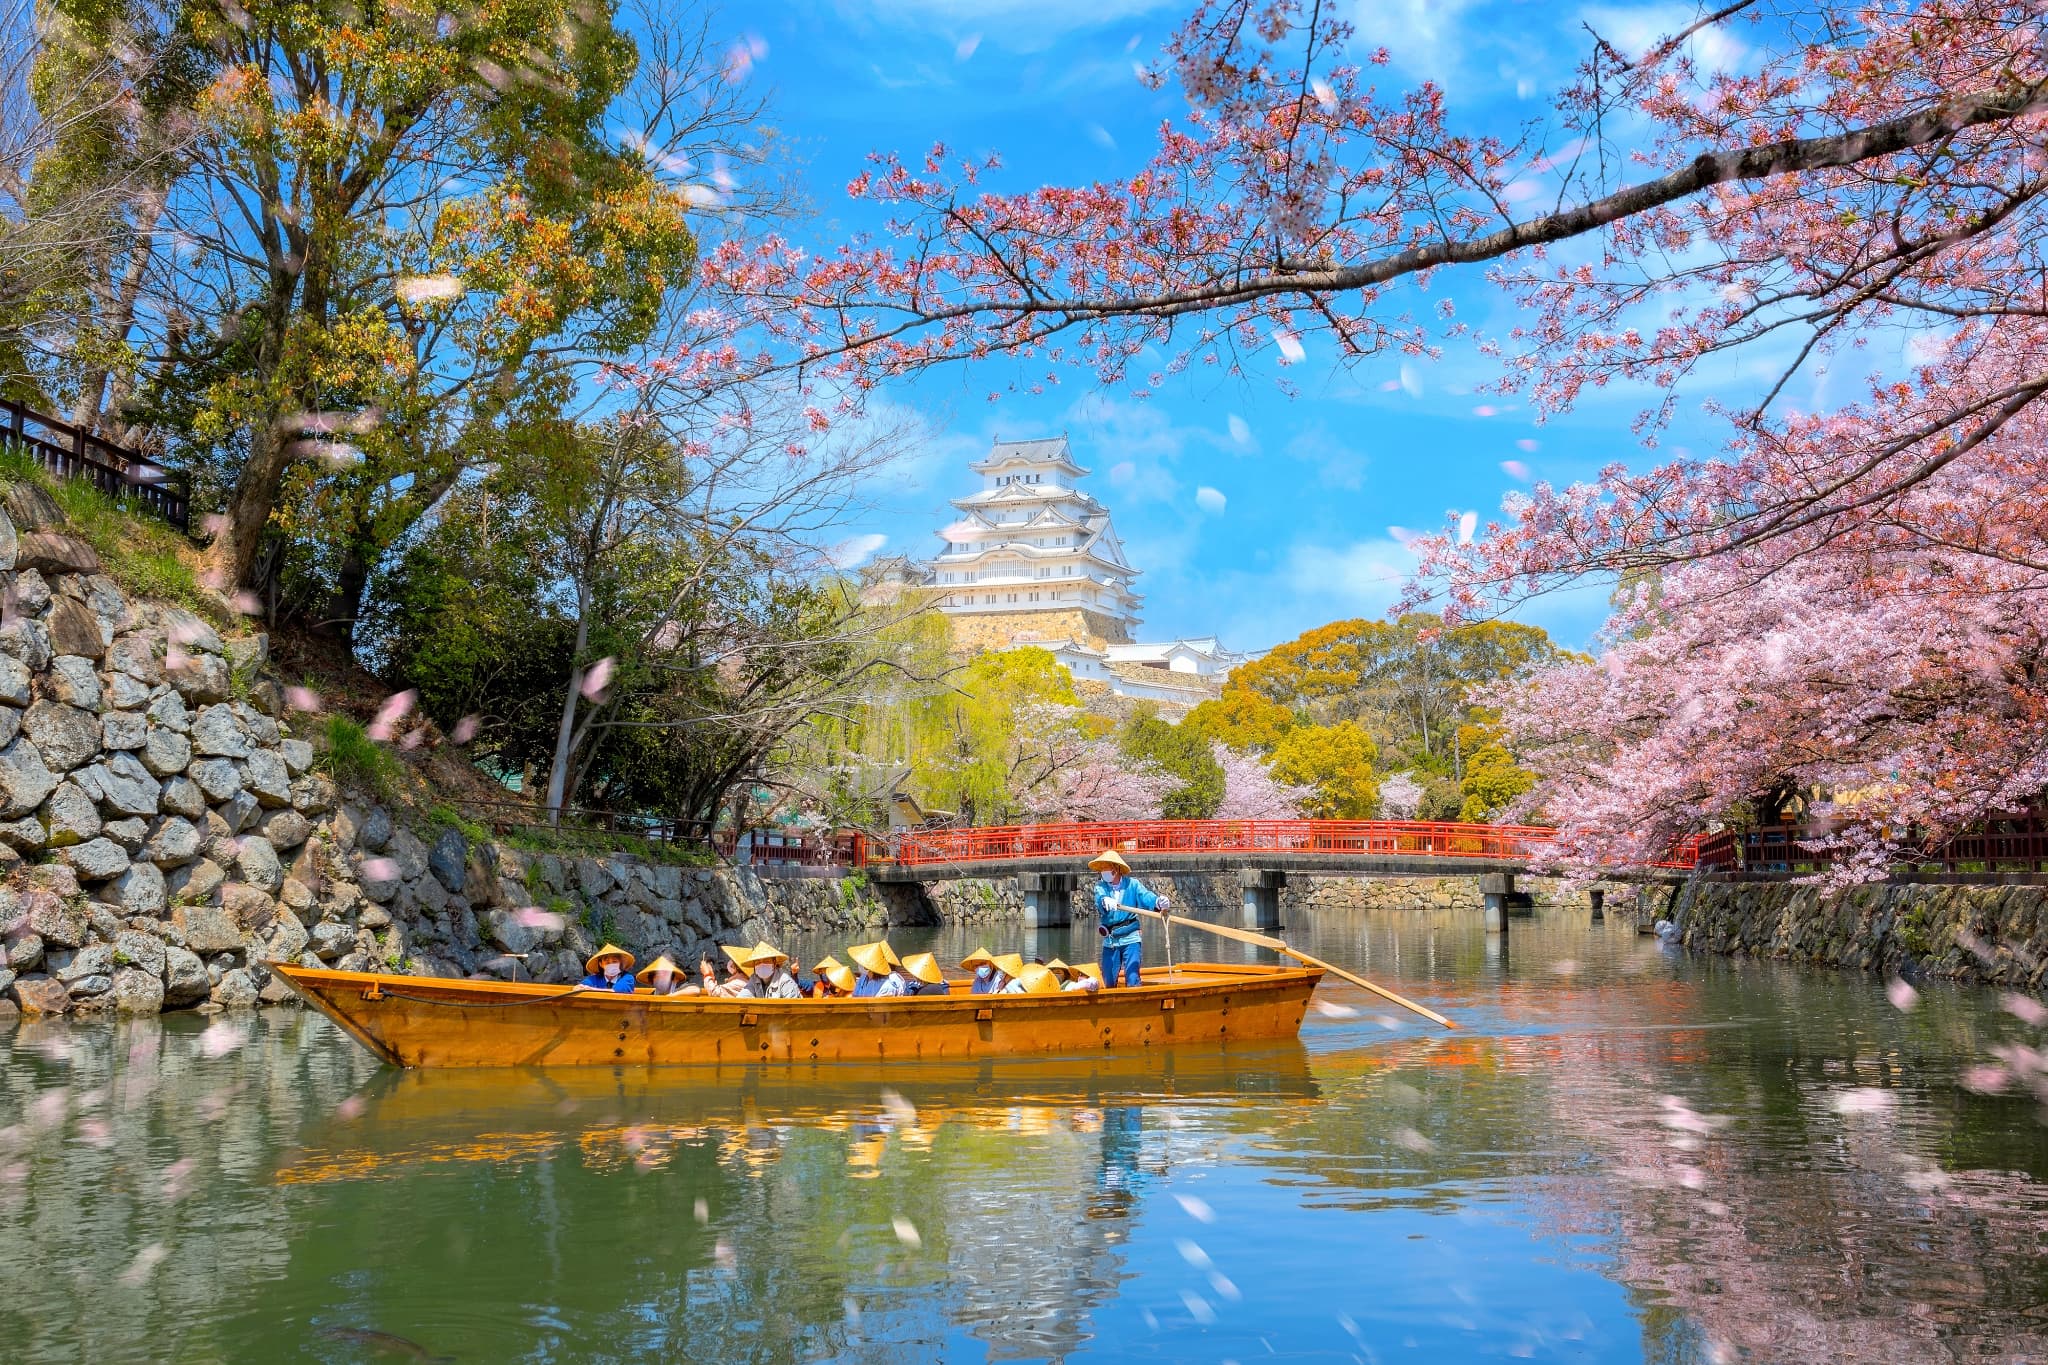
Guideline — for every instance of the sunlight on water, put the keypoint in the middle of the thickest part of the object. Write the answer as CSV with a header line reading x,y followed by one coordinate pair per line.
x,y
1626,1155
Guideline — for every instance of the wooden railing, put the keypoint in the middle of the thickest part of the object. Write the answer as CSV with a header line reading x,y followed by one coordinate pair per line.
x,y
72,452
1280,838
2016,844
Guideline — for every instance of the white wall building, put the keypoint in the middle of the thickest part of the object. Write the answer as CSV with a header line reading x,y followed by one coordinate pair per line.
x,y
1031,544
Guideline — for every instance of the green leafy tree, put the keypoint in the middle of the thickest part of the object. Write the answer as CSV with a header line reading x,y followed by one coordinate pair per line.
x,y
1185,754
1336,763
1242,719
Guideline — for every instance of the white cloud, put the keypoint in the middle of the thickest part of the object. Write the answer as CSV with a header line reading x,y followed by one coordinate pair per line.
x,y
1364,577
1426,37
855,550
1635,29
1209,500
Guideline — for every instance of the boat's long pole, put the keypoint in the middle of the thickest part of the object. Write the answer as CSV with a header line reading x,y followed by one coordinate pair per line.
x,y
1277,945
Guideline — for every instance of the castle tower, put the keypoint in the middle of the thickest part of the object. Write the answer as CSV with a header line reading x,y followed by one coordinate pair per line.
x,y
1033,558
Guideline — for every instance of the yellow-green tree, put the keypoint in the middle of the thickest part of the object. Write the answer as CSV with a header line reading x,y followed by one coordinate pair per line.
x,y
1336,763
1241,719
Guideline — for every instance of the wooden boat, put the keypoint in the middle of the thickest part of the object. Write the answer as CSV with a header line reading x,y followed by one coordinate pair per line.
x,y
417,1021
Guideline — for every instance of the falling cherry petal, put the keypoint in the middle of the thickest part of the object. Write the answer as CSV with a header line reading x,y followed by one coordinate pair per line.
x,y
1196,1208
1902,996
465,730
907,1233
596,677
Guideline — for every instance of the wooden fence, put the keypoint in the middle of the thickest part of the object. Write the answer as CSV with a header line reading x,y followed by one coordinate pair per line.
x,y
70,451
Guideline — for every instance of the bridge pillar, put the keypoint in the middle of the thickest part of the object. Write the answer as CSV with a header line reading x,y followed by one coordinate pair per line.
x,y
1495,888
1598,896
1261,896
1048,899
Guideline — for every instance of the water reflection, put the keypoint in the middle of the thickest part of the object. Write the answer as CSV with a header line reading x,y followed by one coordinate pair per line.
x,y
1629,1155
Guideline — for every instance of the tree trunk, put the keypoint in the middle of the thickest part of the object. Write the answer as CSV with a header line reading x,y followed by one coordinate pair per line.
x,y
351,583
254,498
558,771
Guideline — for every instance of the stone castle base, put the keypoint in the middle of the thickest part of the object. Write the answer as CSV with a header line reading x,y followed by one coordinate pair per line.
x,y
1005,630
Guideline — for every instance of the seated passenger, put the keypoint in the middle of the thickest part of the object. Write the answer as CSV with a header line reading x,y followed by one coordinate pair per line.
x,y
734,983
881,971
1008,968
821,981
925,976
611,969
983,965
768,974
1034,978
1072,978
663,977
833,981
707,974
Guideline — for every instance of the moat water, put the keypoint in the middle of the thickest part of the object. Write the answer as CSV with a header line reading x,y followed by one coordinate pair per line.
x,y
1627,1154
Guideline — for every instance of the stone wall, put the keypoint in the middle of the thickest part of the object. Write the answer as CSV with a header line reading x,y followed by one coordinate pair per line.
x,y
1996,934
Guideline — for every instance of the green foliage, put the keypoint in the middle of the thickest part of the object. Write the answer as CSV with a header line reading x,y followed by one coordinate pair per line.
x,y
1336,761
350,755
1492,780
139,552
1182,752
444,816
1242,719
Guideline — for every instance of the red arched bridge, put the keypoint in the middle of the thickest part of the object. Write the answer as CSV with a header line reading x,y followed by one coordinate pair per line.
x,y
1048,859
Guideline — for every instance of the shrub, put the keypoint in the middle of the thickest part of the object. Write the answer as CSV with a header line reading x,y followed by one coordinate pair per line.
x,y
350,755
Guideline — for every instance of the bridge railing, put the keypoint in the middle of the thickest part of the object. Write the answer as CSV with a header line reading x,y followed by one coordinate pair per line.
x,y
2005,845
1282,838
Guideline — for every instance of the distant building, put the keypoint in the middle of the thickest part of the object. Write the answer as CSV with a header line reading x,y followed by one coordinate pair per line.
x,y
1033,559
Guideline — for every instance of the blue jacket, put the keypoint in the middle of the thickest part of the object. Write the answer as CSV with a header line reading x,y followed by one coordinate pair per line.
x,y
864,986
984,981
1120,925
932,988
623,986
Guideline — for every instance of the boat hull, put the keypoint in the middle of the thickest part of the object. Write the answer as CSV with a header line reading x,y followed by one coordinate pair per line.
x,y
413,1021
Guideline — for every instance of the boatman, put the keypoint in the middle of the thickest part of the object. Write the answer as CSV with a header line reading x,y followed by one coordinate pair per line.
x,y
1117,894
611,969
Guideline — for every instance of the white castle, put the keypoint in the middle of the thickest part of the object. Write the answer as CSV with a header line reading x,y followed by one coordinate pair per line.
x,y
1033,560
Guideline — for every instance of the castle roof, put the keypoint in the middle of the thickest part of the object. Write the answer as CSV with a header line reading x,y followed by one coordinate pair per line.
x,y
1048,451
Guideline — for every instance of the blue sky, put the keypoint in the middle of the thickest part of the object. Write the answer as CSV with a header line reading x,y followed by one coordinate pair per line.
x,y
1309,485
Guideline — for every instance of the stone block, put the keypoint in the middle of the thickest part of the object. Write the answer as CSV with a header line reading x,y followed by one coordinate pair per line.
x,y
14,676
75,631
123,730
53,552
69,816
217,777
58,921
26,834
122,692
26,639
195,881
65,736
263,773
236,990
30,507
189,632
135,656
331,940
134,948
207,928
140,890
256,861
71,680
284,940
374,830
185,978
130,832
240,812
313,794
250,907
285,828
297,755
109,607
95,959
380,878
169,711
182,796
174,842
41,995
95,860
409,853
218,733
127,786
449,860
138,992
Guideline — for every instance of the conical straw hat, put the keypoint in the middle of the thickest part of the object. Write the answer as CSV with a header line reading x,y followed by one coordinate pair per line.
x,y
1038,980
660,962
980,957
625,958
925,968
826,964
738,954
1107,859
873,958
1010,965
841,977
1060,969
764,951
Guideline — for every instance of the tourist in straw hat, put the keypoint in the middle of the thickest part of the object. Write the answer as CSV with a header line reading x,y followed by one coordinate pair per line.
x,y
663,977
611,969
1035,979
1009,966
881,971
925,975
820,981
768,974
734,983
1117,895
983,964
1073,978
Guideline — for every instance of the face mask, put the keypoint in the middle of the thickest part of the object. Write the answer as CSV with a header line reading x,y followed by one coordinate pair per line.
x,y
981,973
611,971
765,970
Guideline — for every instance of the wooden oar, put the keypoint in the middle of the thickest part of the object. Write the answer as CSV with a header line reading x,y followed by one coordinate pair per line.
x,y
1247,936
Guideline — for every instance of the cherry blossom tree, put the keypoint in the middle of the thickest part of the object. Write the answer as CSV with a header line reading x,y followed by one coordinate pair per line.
x,y
1250,792
1843,599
